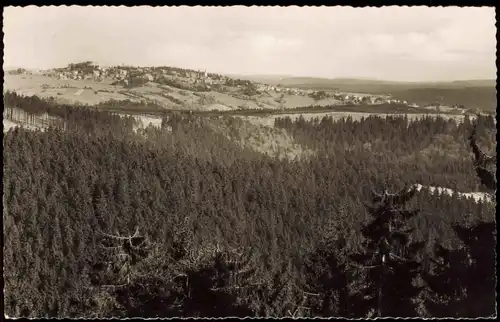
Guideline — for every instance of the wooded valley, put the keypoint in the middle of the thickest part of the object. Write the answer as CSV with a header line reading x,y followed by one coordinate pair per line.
x,y
103,221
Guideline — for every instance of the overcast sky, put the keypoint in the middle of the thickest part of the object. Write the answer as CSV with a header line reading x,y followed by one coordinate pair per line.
x,y
392,43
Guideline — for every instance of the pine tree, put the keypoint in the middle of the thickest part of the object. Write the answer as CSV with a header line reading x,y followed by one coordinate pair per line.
x,y
221,285
325,268
390,260
326,280
118,272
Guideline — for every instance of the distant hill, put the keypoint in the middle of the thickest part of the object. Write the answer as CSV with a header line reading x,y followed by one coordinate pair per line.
x,y
477,82
315,82
473,94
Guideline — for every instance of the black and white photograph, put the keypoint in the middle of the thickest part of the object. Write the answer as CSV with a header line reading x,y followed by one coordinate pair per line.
x,y
249,161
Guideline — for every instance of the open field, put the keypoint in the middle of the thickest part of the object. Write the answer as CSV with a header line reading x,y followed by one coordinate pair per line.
x,y
67,91
91,92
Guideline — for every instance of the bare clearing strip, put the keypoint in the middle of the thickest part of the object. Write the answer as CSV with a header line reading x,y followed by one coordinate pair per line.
x,y
7,125
145,121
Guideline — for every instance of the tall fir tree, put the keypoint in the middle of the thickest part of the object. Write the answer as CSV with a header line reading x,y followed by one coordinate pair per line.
x,y
390,260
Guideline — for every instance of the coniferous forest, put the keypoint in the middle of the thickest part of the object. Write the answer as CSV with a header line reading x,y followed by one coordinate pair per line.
x,y
180,221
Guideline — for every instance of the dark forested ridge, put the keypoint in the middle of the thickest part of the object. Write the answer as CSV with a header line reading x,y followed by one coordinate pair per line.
x,y
102,221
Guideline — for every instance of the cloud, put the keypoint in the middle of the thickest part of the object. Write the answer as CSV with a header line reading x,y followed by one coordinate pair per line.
x,y
391,42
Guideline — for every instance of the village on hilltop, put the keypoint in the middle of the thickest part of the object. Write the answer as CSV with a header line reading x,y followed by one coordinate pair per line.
x,y
201,83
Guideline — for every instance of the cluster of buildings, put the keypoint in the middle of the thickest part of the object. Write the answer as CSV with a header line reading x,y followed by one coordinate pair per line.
x,y
124,73
96,73
88,72
343,97
368,99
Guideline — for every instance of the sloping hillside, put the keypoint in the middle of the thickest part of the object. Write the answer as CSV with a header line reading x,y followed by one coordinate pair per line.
x,y
267,140
93,92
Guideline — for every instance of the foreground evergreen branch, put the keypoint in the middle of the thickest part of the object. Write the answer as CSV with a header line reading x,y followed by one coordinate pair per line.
x,y
146,281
